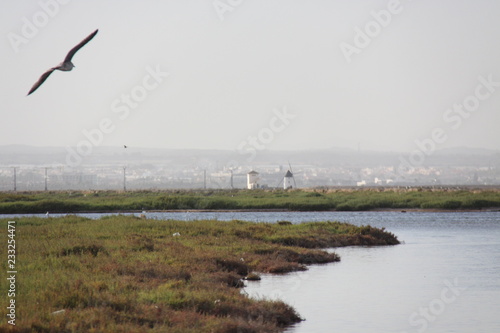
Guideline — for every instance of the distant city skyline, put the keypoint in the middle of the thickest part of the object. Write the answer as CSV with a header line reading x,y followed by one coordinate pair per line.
x,y
392,76
37,169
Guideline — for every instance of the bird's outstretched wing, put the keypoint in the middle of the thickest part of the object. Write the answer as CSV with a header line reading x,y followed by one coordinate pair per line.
x,y
41,80
72,52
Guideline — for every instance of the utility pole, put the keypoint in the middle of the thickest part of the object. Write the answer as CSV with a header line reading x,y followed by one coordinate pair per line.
x,y
205,179
231,179
15,180
46,179
124,179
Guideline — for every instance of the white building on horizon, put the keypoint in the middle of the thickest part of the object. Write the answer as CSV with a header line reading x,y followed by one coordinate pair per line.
x,y
252,180
288,180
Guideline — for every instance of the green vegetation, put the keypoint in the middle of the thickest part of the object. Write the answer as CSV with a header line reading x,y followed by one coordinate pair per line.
x,y
127,274
297,200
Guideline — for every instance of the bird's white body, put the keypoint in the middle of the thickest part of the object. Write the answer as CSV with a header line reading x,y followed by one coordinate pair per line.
x,y
65,66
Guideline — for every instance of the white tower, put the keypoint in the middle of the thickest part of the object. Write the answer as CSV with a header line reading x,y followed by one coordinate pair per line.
x,y
288,180
252,180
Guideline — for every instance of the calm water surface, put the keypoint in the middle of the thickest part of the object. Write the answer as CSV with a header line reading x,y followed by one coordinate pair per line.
x,y
444,278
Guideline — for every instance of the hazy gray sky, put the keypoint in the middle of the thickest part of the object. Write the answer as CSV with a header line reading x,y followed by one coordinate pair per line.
x,y
291,74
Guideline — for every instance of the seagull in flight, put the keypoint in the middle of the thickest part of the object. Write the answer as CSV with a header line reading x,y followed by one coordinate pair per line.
x,y
66,65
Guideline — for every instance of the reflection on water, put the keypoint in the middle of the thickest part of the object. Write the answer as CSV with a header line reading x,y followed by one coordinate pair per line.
x,y
445,278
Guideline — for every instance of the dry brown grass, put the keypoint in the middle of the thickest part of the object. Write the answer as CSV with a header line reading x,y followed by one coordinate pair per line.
x,y
125,274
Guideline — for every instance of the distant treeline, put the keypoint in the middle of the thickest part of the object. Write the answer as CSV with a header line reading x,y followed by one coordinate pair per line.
x,y
293,200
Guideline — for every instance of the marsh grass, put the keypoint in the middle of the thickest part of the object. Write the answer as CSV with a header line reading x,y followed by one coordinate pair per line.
x,y
297,200
125,274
